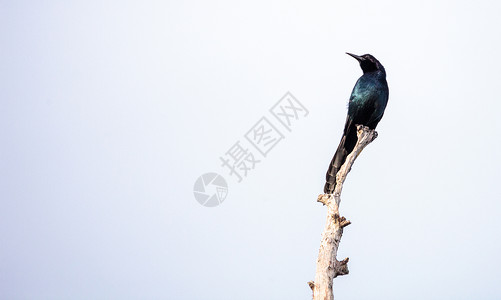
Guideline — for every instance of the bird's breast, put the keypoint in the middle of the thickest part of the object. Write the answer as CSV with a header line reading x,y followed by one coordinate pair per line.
x,y
368,98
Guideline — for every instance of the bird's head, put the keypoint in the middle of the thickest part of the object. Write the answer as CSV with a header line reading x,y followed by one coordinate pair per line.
x,y
368,63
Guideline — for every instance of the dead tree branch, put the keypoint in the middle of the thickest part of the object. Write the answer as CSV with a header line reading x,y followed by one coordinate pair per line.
x,y
328,267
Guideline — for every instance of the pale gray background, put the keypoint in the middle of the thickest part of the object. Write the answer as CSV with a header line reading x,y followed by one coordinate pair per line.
x,y
110,110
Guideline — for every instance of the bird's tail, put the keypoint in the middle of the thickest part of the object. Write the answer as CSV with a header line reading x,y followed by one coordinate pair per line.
x,y
345,147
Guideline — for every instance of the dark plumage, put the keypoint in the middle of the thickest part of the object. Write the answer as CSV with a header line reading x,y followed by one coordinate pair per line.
x,y
366,107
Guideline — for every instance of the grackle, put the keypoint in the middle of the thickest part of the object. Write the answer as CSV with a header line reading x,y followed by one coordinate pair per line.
x,y
366,107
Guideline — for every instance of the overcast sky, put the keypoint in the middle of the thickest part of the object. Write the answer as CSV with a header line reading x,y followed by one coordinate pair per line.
x,y
111,110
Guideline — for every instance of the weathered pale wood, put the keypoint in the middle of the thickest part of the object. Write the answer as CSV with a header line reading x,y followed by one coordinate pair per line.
x,y
328,267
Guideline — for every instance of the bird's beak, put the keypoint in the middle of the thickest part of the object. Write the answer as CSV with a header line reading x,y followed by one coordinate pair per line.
x,y
359,58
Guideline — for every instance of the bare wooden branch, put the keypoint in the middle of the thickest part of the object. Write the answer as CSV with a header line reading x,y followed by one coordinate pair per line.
x,y
328,267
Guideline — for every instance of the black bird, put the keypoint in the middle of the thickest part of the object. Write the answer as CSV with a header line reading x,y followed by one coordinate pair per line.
x,y
366,107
